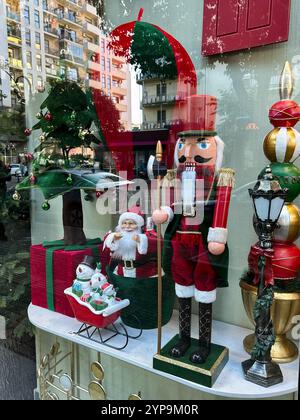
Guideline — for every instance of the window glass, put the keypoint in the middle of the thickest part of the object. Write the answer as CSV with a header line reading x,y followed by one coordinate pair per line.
x,y
120,79
27,15
37,19
29,59
28,37
38,40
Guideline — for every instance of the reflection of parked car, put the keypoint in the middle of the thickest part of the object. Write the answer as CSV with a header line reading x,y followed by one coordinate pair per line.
x,y
18,170
15,169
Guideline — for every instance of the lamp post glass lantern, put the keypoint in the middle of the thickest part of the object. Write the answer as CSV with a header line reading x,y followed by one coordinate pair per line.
x,y
268,200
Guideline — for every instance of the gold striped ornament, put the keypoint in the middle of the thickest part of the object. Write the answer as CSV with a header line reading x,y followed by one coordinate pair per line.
x,y
289,224
282,145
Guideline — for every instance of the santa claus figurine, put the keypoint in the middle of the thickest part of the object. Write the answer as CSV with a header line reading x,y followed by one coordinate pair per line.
x,y
196,254
129,246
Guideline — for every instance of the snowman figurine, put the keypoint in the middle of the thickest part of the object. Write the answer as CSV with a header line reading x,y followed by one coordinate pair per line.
x,y
97,280
84,274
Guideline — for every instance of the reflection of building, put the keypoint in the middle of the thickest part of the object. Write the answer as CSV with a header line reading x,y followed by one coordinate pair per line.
x,y
47,38
158,103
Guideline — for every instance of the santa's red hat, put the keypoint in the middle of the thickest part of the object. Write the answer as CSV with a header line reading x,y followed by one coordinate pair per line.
x,y
107,288
135,214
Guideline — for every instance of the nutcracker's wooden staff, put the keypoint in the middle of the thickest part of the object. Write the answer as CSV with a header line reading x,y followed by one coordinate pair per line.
x,y
159,156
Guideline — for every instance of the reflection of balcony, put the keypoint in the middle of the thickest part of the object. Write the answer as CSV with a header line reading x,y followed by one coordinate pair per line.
x,y
119,90
68,38
89,9
72,59
118,60
68,18
94,66
50,10
51,31
140,78
14,37
52,51
121,107
52,72
154,125
118,74
95,84
15,63
92,29
13,16
74,3
158,100
91,46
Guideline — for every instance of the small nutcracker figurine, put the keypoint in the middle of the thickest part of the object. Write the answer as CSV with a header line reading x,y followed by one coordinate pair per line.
x,y
196,253
131,248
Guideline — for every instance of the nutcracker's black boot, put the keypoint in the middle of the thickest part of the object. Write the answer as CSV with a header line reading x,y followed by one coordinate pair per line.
x,y
205,323
185,318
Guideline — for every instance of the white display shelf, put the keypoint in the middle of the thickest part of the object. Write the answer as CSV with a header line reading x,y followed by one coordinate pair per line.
x,y
140,352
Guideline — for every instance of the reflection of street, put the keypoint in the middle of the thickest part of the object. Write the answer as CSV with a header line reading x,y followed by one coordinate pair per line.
x,y
11,184
17,379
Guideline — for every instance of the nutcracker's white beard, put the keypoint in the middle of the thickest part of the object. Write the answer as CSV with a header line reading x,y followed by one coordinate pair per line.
x,y
188,188
127,247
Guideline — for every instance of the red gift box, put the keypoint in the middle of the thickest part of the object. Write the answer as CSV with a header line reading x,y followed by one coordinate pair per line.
x,y
50,277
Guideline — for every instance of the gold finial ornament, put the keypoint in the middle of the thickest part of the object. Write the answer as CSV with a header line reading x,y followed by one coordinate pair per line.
x,y
159,151
286,82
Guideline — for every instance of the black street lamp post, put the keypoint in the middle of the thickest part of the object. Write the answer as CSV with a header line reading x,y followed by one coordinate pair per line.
x,y
268,199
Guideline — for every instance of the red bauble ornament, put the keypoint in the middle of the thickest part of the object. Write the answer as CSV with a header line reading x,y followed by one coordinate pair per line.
x,y
32,180
48,117
27,132
29,157
98,194
284,114
286,261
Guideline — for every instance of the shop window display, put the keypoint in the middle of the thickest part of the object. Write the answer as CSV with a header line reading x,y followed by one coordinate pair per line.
x,y
126,228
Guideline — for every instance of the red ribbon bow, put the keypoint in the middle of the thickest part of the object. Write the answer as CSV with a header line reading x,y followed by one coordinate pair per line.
x,y
253,260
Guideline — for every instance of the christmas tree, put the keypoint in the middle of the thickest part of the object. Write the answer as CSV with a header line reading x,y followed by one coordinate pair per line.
x,y
68,120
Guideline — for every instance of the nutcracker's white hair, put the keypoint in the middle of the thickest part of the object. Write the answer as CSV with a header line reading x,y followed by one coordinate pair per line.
x,y
220,152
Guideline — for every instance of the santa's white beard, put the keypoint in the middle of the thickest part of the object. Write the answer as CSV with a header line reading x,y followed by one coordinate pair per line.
x,y
127,246
188,188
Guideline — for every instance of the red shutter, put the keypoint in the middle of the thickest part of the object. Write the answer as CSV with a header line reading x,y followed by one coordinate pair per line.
x,y
232,25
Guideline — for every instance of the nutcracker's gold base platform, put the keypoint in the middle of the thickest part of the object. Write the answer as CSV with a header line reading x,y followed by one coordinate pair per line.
x,y
205,374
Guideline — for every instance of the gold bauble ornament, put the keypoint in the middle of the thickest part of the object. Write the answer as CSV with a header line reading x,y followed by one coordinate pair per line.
x,y
289,224
282,145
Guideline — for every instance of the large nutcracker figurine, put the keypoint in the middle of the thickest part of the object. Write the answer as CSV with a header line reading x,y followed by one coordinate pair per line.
x,y
195,251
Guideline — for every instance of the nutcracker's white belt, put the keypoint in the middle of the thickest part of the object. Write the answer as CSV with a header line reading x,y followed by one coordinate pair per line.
x,y
190,232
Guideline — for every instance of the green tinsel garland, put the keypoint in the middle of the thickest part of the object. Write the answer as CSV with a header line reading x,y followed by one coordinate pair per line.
x,y
267,339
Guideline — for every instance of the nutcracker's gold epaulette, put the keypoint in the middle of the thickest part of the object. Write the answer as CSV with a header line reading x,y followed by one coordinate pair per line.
x,y
226,177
